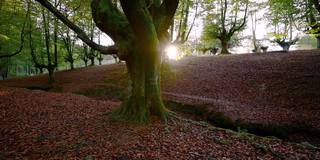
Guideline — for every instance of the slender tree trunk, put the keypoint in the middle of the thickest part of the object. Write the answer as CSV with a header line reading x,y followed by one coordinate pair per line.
x,y
92,62
171,30
71,65
318,42
51,74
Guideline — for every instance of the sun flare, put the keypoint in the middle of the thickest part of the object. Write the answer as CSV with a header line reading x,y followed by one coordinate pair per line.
x,y
172,52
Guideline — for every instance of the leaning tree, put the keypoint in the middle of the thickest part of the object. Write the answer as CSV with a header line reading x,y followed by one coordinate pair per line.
x,y
139,29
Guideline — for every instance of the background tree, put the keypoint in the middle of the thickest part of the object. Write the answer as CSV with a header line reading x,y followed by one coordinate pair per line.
x,y
224,19
51,58
10,28
84,56
283,16
69,43
92,54
301,14
254,8
181,24
12,35
312,13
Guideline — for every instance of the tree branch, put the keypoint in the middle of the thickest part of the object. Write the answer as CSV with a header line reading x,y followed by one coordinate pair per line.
x,y
236,28
167,10
316,4
20,48
21,39
80,33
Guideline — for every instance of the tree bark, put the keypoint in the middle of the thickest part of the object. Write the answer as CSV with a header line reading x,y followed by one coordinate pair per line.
x,y
144,92
71,65
92,61
224,46
51,74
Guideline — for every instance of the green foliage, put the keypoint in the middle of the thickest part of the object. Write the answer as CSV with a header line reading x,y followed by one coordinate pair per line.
x,y
308,40
297,14
282,11
13,14
4,38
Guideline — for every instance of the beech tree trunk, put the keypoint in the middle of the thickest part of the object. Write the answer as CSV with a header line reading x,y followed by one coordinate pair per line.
x,y
224,46
144,90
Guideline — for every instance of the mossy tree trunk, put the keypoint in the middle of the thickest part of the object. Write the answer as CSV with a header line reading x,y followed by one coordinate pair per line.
x,y
144,90
140,48
139,30
51,62
143,65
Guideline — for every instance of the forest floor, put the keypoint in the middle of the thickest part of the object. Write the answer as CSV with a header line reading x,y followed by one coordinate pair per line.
x,y
272,90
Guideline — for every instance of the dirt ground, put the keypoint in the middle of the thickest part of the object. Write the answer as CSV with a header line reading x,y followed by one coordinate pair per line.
x,y
281,88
